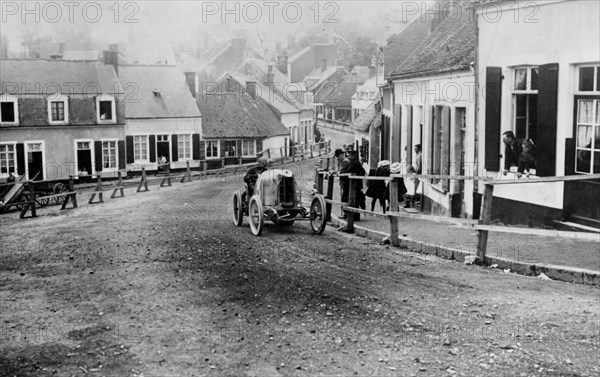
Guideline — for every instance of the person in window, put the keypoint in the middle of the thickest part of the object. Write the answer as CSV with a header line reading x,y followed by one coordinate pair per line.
x,y
162,163
527,159
83,172
513,150
252,176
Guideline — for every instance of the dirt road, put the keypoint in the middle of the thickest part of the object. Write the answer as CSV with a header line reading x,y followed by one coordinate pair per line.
x,y
163,284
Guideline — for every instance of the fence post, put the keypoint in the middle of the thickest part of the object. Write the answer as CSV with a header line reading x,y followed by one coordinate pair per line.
x,y
98,191
73,196
394,205
31,204
204,170
319,180
167,178
311,150
485,218
143,182
330,183
119,187
352,204
281,154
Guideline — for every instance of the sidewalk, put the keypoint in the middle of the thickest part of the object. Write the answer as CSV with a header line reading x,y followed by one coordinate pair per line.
x,y
563,259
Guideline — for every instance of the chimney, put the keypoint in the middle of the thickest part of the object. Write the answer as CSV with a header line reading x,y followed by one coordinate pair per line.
x,y
113,47
111,58
190,80
282,63
372,71
251,88
61,48
269,77
323,65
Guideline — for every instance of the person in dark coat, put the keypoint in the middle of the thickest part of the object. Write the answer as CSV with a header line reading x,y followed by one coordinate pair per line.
x,y
354,168
513,150
377,189
252,176
396,168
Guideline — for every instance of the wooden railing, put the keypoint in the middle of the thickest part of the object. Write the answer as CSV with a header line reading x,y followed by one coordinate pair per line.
x,y
481,226
334,124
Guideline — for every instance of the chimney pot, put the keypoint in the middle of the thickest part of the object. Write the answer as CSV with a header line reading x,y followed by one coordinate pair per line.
x,y
251,88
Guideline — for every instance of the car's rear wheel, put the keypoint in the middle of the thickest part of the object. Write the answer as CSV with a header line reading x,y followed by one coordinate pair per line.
x,y
256,215
318,214
238,209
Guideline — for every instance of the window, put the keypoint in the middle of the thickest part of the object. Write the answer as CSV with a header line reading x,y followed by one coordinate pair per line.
x,y
212,149
83,145
440,143
9,110
109,154
230,148
525,95
248,148
589,79
7,158
58,109
588,136
184,147
105,109
140,147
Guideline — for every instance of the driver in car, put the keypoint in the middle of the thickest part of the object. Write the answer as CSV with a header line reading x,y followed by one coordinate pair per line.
x,y
253,174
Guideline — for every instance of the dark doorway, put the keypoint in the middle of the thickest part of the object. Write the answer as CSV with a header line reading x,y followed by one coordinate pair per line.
x,y
163,147
84,158
35,162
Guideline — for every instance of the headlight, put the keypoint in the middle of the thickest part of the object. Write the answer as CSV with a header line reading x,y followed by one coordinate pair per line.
x,y
298,196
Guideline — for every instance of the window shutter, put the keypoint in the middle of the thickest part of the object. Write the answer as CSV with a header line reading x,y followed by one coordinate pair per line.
x,y
222,148
409,139
397,133
129,142
445,156
202,155
547,121
259,146
121,154
174,148
569,156
20,158
238,148
493,103
196,147
152,139
98,153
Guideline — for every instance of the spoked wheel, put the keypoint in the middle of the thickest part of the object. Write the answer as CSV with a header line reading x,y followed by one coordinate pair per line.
x,y
59,188
318,215
43,202
238,209
256,216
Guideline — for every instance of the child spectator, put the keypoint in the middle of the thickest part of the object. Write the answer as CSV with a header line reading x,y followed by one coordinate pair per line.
x,y
527,159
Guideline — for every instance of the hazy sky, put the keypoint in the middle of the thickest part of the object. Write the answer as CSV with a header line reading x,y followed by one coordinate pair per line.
x,y
181,21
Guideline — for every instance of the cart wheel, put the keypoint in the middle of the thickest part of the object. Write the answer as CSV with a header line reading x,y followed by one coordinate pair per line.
x,y
318,214
256,216
21,199
238,208
59,188
43,202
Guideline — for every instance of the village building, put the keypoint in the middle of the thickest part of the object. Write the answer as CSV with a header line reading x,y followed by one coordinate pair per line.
x,y
366,128
59,118
162,117
238,124
433,106
540,78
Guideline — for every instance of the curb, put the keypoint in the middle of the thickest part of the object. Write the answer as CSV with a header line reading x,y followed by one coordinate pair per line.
x,y
560,273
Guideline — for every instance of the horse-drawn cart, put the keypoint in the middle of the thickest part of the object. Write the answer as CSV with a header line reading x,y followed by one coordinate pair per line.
x,y
19,193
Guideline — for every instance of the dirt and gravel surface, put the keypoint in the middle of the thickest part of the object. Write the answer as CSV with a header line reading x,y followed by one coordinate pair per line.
x,y
163,284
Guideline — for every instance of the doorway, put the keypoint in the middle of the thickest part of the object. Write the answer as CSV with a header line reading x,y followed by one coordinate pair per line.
x,y
163,146
35,161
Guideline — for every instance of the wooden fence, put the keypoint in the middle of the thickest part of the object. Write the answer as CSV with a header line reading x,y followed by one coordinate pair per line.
x,y
482,225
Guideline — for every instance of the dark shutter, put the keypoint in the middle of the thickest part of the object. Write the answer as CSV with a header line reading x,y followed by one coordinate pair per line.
x,y
98,153
569,156
20,159
409,135
445,155
222,148
493,97
196,147
547,122
259,146
202,155
397,133
174,148
238,149
129,142
152,148
121,153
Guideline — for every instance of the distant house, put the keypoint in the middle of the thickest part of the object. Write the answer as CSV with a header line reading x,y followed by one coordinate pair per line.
x,y
367,92
162,117
305,61
292,102
336,100
224,57
60,117
238,123
433,106
366,128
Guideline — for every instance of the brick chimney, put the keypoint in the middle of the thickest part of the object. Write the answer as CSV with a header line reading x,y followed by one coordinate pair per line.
x,y
111,58
282,63
251,88
190,80
323,65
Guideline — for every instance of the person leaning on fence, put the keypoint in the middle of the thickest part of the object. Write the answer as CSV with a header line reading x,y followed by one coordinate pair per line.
x,y
342,163
417,169
396,168
527,159
354,168
513,150
376,189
